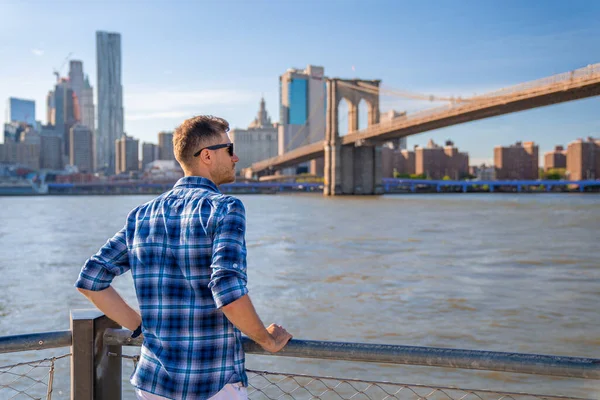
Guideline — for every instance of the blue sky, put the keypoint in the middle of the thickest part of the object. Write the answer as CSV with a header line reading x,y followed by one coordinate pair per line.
x,y
182,58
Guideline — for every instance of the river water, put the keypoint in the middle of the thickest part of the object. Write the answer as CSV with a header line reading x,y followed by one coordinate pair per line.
x,y
502,272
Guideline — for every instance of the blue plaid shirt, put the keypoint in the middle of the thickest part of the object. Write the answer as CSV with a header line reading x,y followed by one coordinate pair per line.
x,y
186,250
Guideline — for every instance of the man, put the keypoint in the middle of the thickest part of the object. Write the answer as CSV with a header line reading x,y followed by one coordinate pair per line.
x,y
186,250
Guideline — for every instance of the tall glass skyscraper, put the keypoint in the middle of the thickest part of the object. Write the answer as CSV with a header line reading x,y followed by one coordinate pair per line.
x,y
20,110
302,101
110,99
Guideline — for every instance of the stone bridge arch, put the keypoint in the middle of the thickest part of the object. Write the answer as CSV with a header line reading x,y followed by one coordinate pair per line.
x,y
353,169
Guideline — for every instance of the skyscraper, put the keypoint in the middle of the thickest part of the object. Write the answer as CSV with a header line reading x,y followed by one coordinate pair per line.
x,y
20,110
85,93
126,154
110,99
302,99
165,146
66,112
81,151
149,154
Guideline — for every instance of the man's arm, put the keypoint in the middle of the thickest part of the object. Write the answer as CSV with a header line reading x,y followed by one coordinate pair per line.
x,y
242,314
114,307
228,280
97,274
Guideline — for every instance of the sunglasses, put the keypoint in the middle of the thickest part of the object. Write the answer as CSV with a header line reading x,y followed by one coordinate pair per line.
x,y
217,147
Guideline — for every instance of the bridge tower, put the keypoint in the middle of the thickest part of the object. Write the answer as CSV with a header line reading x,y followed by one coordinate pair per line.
x,y
351,169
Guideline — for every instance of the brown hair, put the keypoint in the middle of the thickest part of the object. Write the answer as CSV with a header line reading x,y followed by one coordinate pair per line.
x,y
195,133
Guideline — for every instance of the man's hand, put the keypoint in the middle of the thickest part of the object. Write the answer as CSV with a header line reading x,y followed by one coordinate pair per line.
x,y
242,314
280,338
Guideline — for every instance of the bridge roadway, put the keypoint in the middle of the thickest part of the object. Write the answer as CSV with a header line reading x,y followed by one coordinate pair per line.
x,y
574,85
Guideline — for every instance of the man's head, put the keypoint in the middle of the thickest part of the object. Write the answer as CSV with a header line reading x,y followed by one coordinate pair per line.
x,y
196,144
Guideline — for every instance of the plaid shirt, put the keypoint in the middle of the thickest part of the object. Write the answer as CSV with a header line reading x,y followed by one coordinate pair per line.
x,y
187,253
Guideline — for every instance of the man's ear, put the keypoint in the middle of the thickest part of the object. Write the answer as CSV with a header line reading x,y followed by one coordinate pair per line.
x,y
205,157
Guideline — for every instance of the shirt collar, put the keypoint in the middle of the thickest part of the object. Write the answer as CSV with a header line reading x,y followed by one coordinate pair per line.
x,y
196,182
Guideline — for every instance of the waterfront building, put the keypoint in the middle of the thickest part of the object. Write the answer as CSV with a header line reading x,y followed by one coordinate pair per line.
x,y
51,148
165,146
302,102
556,158
110,99
20,111
149,154
483,172
257,142
583,159
82,148
437,162
127,154
517,161
399,161
25,152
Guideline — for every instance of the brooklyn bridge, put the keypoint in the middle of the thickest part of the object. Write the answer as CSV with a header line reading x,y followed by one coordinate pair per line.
x,y
353,161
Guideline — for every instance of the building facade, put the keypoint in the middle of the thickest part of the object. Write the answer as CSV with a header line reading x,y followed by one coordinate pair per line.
x,y
84,93
556,158
127,154
437,162
165,146
258,142
82,148
25,152
302,106
517,162
583,159
110,99
483,172
149,154
66,112
51,156
20,110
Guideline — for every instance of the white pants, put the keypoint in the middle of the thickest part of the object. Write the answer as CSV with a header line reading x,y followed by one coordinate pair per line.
x,y
231,391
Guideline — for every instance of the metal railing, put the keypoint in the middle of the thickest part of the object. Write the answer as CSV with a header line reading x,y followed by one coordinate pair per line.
x,y
96,366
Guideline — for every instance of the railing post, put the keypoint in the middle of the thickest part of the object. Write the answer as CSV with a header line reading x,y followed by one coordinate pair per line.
x,y
94,374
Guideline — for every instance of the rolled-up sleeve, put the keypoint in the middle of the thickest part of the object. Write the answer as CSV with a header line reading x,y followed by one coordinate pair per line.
x,y
228,277
110,261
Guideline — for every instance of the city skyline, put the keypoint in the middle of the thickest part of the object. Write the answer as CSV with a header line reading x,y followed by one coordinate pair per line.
x,y
169,73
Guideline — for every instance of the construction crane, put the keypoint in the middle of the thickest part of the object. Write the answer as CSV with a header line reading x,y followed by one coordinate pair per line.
x,y
56,72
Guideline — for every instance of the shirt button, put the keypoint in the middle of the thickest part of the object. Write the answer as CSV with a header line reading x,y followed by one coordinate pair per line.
x,y
235,265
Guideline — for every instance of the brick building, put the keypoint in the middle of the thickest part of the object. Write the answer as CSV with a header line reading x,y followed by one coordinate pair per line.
x,y
517,161
583,159
556,158
435,161
401,161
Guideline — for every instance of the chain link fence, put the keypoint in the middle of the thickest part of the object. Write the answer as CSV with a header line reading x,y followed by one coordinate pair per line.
x,y
277,386
29,380
264,385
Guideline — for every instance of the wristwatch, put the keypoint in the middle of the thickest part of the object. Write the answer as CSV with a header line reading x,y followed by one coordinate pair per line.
x,y
137,332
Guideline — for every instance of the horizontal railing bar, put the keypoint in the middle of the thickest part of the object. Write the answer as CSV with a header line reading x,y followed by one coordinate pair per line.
x,y
35,341
536,364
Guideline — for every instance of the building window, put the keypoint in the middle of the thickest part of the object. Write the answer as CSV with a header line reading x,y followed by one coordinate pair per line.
x,y
298,101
